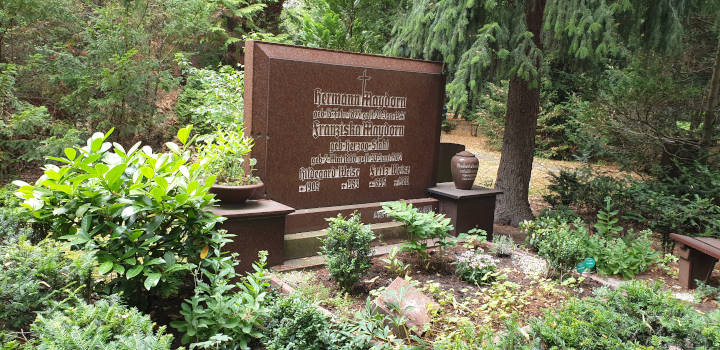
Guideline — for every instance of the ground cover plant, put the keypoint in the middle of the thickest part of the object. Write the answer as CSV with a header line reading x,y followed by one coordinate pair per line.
x,y
105,324
635,315
36,275
565,244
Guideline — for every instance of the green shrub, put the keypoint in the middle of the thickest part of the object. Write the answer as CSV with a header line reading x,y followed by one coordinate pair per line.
x,y
222,312
142,213
564,244
211,99
107,324
347,249
583,190
27,133
636,315
686,204
32,276
419,226
296,324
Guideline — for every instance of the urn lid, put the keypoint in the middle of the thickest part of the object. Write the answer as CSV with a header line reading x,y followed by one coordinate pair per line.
x,y
464,154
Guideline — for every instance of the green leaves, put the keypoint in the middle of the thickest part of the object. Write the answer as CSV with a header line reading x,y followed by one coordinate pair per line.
x,y
105,267
152,280
128,207
134,271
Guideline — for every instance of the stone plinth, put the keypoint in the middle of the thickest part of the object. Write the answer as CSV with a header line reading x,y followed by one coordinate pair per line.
x,y
473,208
257,225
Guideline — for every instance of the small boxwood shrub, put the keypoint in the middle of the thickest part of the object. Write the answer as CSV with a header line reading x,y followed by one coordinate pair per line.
x,y
34,275
347,249
107,324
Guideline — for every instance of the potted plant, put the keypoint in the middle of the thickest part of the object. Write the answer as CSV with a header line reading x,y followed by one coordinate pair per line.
x,y
224,154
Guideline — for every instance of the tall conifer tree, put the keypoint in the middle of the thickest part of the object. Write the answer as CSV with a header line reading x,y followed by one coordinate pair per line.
x,y
486,40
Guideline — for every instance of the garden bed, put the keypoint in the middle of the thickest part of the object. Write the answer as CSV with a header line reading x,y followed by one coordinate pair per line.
x,y
521,288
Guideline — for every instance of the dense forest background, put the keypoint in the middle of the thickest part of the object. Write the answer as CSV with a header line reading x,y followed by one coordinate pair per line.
x,y
643,96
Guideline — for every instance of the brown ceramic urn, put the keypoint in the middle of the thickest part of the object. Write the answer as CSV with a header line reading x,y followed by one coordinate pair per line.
x,y
464,167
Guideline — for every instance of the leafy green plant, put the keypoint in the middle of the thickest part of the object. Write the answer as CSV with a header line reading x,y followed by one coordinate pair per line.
x,y
565,244
607,221
502,245
223,313
142,213
296,324
475,267
473,238
636,315
625,257
35,275
705,292
394,264
106,324
210,99
223,154
420,227
347,249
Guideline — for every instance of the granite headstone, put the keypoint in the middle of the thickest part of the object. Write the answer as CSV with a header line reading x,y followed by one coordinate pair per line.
x,y
335,128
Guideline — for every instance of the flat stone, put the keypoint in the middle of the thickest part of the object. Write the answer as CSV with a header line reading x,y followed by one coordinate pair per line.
x,y
410,302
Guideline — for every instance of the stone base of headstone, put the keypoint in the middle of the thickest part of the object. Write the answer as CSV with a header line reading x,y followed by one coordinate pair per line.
x,y
468,209
257,225
401,299
313,219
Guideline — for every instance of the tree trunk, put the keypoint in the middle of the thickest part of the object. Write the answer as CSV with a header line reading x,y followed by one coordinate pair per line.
x,y
518,150
712,102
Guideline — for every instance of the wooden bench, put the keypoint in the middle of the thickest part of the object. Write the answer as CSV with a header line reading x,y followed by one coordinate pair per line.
x,y
698,256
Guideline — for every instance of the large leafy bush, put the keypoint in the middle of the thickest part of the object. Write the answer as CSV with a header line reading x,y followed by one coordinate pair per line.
x,y
142,213
687,204
107,324
34,275
347,249
224,312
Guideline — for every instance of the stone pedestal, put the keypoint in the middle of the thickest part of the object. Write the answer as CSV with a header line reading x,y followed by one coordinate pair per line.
x,y
473,208
257,225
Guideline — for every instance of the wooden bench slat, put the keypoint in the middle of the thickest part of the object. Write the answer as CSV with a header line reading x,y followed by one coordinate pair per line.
x,y
709,246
